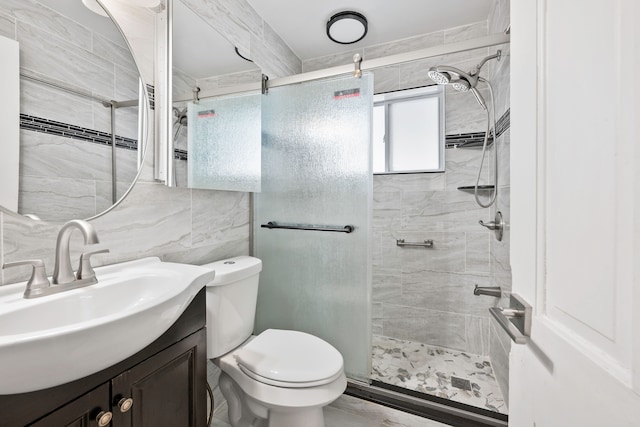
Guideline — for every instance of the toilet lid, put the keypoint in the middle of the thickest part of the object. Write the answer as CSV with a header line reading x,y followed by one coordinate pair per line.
x,y
290,357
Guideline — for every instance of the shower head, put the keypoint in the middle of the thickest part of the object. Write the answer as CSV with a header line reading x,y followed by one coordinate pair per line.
x,y
461,81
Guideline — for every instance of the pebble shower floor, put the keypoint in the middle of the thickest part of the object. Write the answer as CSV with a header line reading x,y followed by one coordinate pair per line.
x,y
449,374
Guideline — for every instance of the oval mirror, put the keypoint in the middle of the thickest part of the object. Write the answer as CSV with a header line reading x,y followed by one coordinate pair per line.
x,y
79,92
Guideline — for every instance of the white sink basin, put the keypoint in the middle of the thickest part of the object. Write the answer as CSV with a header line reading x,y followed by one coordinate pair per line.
x,y
52,340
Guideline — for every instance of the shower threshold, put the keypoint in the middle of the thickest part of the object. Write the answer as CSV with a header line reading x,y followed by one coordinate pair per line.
x,y
434,371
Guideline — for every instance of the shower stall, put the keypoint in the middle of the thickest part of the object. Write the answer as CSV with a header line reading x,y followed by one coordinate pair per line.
x,y
341,251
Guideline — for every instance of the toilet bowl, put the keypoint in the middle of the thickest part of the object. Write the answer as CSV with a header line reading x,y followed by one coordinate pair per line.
x,y
278,378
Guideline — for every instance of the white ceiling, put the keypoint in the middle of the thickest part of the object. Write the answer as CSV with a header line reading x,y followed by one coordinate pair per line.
x,y
302,23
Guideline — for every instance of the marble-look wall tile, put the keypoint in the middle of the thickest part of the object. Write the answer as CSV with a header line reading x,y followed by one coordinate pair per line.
x,y
426,326
477,252
443,291
41,101
131,229
461,165
233,79
65,198
115,52
183,83
103,194
440,211
408,182
500,259
446,255
33,13
465,32
126,86
405,45
61,61
7,26
504,159
206,254
261,54
477,334
219,216
281,50
26,239
499,356
386,286
329,61
386,79
47,155
242,11
464,114
376,318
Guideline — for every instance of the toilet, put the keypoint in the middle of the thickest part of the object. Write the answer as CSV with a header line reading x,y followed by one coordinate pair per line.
x,y
279,378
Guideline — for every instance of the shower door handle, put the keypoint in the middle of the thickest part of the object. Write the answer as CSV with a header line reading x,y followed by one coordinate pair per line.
x,y
515,319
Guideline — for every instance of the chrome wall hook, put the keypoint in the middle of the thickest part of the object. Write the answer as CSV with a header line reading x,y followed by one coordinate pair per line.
x,y
496,225
357,61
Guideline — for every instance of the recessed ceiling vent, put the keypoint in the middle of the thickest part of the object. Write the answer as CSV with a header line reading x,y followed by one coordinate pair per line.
x,y
347,27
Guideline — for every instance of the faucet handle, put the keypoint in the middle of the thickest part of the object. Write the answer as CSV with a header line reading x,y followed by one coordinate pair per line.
x,y
85,271
38,282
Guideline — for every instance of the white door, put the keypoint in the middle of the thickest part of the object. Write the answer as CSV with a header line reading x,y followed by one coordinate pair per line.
x,y
575,211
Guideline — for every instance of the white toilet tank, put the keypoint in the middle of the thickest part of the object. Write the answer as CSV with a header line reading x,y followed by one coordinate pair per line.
x,y
231,303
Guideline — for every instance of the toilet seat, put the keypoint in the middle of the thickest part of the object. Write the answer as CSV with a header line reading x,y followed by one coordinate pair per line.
x,y
290,359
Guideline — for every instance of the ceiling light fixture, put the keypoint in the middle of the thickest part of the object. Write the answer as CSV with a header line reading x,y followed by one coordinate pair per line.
x,y
347,27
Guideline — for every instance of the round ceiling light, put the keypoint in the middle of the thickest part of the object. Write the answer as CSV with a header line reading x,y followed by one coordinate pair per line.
x,y
347,27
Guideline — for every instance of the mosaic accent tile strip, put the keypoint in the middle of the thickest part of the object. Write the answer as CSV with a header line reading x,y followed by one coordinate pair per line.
x,y
476,139
151,91
449,374
180,154
39,124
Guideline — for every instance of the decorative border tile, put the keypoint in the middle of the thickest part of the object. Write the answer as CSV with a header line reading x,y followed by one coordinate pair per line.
x,y
66,130
476,139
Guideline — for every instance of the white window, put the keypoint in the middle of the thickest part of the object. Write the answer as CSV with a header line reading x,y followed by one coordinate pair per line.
x,y
408,131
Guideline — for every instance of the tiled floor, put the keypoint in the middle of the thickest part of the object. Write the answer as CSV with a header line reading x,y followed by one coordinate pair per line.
x,y
349,411
450,374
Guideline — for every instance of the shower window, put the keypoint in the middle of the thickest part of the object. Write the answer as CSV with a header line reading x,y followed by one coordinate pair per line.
x,y
408,131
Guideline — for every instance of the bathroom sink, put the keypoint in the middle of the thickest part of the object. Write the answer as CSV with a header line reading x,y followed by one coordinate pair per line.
x,y
52,340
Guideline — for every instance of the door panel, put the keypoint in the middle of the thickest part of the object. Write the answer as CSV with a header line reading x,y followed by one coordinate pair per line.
x,y
575,218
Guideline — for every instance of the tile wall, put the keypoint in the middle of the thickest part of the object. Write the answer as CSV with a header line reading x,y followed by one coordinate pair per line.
x,y
62,133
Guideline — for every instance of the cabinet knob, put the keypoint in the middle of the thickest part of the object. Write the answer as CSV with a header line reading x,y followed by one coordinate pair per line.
x,y
104,418
125,404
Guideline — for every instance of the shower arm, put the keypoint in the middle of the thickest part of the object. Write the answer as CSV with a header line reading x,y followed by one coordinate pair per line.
x,y
497,56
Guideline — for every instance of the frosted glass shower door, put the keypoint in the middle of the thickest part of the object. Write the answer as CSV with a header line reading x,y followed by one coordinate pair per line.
x,y
316,171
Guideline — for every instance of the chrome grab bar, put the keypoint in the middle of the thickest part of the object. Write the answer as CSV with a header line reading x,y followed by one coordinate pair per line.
x,y
346,229
424,244
515,319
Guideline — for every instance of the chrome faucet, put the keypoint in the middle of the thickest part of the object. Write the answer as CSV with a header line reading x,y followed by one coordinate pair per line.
x,y
63,276
62,271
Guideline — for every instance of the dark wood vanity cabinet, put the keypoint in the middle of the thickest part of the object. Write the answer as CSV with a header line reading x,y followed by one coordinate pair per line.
x,y
166,382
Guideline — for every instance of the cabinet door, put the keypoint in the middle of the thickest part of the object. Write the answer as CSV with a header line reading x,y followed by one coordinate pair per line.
x,y
82,412
168,389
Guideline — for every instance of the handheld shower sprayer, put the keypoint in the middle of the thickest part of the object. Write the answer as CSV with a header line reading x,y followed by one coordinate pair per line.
x,y
461,81
467,82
